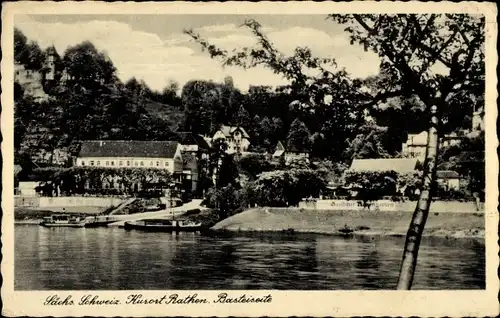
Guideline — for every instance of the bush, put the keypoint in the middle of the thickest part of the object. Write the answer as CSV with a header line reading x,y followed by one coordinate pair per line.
x,y
372,185
283,188
98,180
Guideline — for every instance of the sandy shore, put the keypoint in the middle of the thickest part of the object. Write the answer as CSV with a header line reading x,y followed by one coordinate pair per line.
x,y
371,223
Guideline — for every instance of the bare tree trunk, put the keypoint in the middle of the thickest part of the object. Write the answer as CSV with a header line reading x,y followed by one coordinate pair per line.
x,y
416,229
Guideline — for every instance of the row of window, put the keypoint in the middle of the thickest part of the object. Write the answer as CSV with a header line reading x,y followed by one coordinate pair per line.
x,y
127,163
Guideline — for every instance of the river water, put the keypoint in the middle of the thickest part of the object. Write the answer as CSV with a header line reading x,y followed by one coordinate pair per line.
x,y
115,259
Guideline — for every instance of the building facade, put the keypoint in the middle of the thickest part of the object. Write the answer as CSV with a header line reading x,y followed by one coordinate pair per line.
x,y
415,145
237,138
111,154
289,155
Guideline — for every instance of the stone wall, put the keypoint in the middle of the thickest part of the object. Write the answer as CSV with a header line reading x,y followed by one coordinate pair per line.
x,y
387,205
53,202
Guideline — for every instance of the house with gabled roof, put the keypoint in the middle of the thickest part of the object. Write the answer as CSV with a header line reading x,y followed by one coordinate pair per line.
x,y
131,154
193,144
236,137
289,154
449,179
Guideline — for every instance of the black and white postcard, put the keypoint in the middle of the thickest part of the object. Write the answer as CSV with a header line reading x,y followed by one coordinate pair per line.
x,y
249,159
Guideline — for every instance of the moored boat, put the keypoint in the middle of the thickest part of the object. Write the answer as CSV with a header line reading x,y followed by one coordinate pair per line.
x,y
163,225
63,220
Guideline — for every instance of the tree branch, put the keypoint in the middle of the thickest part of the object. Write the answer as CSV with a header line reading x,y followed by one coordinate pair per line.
x,y
382,96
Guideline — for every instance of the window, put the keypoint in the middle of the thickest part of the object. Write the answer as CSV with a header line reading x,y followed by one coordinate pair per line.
x,y
83,163
120,163
128,163
142,163
112,162
136,163
151,163
166,163
157,163
98,163
91,162
107,163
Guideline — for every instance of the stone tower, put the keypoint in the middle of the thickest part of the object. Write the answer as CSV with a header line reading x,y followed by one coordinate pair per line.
x,y
50,64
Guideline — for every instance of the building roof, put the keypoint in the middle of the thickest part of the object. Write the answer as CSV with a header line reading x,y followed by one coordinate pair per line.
x,y
229,130
128,148
187,138
392,164
447,174
280,149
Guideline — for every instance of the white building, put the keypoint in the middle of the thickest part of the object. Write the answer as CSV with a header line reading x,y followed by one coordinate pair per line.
x,y
237,138
290,155
131,154
415,145
448,179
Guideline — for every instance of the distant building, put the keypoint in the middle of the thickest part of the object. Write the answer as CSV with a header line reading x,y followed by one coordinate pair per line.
x,y
236,137
416,144
190,172
289,154
193,144
449,179
195,152
401,166
131,154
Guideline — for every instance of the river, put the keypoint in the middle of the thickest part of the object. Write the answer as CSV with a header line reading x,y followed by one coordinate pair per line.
x,y
115,259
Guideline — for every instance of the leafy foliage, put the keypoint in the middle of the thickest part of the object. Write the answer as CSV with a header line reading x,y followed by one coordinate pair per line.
x,y
372,185
97,180
285,187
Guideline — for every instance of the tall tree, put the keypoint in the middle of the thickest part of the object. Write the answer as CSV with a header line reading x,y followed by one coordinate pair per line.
x,y
410,46
298,137
242,118
88,67
201,100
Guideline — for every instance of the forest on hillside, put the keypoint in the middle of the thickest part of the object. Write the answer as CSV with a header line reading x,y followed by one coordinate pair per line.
x,y
88,101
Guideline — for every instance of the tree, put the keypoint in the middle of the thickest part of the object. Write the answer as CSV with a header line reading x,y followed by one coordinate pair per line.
x,y
409,47
242,118
27,53
201,100
367,144
298,137
372,185
330,98
89,67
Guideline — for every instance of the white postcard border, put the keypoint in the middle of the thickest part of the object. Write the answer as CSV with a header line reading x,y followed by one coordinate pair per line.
x,y
284,303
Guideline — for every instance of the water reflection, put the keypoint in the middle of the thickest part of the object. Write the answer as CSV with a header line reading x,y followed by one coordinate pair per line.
x,y
62,258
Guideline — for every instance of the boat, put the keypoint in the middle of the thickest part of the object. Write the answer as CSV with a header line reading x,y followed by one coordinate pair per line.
x,y
163,225
63,220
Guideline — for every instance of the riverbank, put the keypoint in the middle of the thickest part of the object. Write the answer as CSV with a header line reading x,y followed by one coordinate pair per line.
x,y
335,222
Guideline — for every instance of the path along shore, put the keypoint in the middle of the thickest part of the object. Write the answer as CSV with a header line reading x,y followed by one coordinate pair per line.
x,y
335,222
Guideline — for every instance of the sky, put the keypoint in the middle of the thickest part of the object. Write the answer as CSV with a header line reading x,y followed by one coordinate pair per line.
x,y
155,49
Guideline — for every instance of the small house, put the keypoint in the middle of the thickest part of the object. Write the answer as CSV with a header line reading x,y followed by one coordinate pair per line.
x,y
449,179
236,137
290,154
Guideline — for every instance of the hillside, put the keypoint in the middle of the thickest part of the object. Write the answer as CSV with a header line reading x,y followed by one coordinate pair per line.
x,y
174,116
